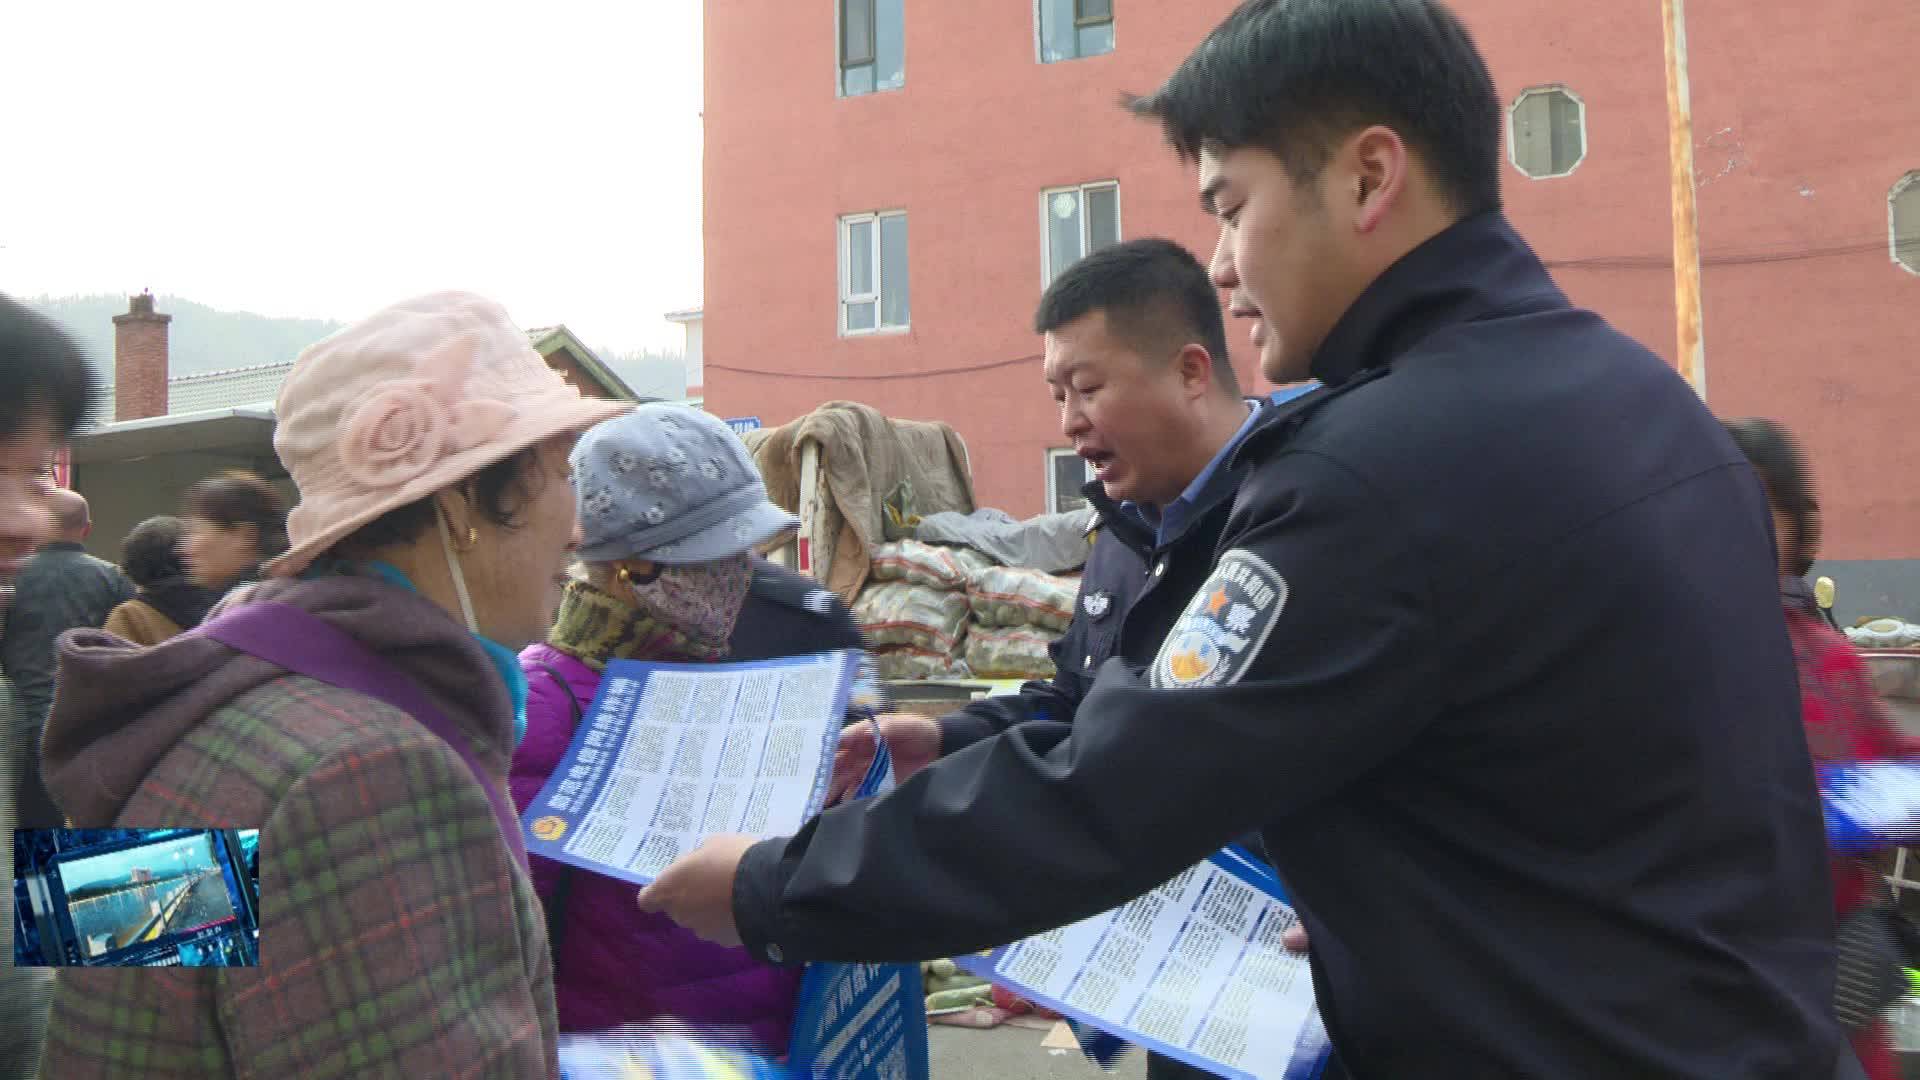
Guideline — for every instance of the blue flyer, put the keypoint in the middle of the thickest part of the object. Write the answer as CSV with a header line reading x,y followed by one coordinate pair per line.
x,y
1194,970
670,754
1871,805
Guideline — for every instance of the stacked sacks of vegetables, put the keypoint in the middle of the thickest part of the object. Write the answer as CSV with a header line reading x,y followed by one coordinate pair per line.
x,y
915,612
1017,614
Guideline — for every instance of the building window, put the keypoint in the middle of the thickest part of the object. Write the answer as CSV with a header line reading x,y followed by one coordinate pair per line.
x,y
1067,473
1547,132
1903,221
1076,222
873,46
1071,29
873,273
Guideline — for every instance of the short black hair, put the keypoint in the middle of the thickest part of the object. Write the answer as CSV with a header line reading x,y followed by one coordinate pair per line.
x,y
239,497
1153,291
41,371
151,552
1783,469
1292,77
499,492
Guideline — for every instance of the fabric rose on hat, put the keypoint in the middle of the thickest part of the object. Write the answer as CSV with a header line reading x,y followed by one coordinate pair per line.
x,y
401,427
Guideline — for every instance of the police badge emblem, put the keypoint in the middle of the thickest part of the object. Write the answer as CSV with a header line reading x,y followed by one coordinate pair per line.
x,y
1097,604
1223,626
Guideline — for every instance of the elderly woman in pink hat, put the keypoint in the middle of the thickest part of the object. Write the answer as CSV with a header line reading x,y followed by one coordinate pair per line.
x,y
359,707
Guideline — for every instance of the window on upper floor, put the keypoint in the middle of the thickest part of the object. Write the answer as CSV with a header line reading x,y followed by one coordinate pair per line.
x,y
1076,222
872,46
1072,29
1547,132
1067,473
1903,221
873,272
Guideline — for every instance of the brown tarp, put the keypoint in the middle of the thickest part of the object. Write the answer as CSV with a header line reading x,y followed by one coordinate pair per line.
x,y
865,456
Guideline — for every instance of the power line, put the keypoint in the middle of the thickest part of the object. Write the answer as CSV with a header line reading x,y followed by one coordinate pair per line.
x,y
885,377
1749,257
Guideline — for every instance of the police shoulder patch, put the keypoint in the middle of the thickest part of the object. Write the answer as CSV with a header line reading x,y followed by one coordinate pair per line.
x,y
1223,626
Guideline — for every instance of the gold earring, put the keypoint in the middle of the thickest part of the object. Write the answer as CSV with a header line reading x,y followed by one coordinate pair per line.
x,y
473,540
624,576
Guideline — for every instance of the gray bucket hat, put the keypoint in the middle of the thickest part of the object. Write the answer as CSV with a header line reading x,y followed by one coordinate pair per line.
x,y
670,484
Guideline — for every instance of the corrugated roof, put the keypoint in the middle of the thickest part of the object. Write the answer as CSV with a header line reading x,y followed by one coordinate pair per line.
x,y
233,387
226,389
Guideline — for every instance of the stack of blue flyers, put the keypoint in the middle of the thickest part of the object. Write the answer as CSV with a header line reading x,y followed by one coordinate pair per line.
x,y
660,1055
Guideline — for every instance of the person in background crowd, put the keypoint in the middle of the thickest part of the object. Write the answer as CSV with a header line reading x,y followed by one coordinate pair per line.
x,y
62,588
235,522
1490,653
1136,355
399,931
46,388
788,613
1845,718
167,602
671,508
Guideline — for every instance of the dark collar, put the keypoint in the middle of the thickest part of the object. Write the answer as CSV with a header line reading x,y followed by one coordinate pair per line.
x,y
1795,592
1477,265
1127,528
62,545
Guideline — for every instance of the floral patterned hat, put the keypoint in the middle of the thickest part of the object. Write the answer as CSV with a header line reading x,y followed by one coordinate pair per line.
x,y
670,484
411,401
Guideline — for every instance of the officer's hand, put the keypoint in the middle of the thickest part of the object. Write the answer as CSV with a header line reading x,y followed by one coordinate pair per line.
x,y
913,740
697,890
1295,938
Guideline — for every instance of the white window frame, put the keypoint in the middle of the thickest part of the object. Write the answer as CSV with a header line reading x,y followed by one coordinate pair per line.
x,y
840,57
1513,144
878,296
1055,453
1900,187
1040,36
1047,272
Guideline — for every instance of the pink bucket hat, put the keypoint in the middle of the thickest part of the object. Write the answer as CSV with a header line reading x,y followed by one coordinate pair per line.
x,y
411,401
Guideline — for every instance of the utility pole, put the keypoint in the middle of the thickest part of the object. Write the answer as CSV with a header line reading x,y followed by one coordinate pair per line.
x,y
1692,354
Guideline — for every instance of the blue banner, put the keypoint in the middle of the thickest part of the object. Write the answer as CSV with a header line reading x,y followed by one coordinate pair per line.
x,y
860,1022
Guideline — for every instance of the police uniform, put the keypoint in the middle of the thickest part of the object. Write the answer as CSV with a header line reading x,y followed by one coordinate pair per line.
x,y
1492,650
789,614
1132,589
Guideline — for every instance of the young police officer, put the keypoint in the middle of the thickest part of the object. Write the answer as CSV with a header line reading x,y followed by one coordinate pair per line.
x,y
1136,356
1492,648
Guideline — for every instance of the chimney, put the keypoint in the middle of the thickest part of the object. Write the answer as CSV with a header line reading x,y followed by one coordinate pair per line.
x,y
140,360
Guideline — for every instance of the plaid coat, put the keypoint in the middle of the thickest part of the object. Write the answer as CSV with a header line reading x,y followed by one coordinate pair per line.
x,y
398,938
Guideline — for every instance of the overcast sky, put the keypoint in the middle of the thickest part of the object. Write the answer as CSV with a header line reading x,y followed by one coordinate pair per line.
x,y
325,160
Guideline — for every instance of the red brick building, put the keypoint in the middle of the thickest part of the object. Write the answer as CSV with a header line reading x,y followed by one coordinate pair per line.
x,y
886,182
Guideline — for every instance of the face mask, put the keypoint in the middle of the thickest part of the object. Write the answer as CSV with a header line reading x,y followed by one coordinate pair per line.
x,y
702,600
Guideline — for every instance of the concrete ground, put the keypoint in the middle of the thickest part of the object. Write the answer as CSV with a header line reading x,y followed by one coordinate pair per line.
x,y
1012,1053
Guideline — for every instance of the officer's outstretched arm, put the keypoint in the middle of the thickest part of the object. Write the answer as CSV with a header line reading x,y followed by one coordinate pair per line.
x,y
1310,656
